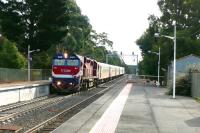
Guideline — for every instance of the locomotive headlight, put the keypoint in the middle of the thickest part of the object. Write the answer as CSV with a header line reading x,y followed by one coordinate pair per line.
x,y
58,83
66,55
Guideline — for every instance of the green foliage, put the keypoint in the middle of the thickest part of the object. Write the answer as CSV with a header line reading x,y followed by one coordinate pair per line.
x,y
43,25
115,60
48,24
10,56
36,23
198,99
183,87
95,47
186,13
42,61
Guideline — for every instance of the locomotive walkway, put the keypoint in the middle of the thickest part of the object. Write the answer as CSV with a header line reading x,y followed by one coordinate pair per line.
x,y
136,109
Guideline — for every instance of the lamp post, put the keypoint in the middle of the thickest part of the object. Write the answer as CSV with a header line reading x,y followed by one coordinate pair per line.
x,y
158,65
137,63
29,59
174,72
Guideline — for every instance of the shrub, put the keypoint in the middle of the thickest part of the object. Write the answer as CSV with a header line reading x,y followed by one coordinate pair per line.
x,y
183,87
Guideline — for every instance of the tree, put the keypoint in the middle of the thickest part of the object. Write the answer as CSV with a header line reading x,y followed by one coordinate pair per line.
x,y
185,12
47,24
28,22
10,57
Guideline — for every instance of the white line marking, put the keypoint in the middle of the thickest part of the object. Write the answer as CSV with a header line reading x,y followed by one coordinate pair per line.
x,y
109,120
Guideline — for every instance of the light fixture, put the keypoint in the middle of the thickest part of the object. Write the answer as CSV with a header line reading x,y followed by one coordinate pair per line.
x,y
65,55
58,83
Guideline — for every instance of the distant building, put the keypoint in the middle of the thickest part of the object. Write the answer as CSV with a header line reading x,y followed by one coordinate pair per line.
x,y
183,65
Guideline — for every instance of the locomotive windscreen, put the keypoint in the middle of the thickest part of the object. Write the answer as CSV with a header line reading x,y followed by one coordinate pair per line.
x,y
64,62
59,62
72,62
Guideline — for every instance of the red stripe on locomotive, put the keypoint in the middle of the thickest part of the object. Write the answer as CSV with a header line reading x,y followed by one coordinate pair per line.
x,y
69,70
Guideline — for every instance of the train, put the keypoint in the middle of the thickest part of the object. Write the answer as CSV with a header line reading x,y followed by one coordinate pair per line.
x,y
72,72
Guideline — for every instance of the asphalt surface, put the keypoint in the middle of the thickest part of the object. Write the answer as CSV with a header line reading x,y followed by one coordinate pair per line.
x,y
147,110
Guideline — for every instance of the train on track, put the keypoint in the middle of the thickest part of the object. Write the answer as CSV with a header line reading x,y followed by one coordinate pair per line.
x,y
73,72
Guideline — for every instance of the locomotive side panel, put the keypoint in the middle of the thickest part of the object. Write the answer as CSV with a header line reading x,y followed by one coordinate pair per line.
x,y
90,69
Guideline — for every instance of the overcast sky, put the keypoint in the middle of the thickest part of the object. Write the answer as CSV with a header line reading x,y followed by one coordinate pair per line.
x,y
123,20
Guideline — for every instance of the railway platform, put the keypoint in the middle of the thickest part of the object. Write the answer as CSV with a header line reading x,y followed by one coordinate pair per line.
x,y
22,83
136,108
22,91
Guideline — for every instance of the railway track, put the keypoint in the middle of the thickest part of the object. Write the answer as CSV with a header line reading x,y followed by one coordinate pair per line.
x,y
11,113
20,104
52,123
50,111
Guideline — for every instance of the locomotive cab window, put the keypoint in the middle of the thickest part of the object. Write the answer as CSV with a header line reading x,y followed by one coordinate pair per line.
x,y
72,62
63,62
59,62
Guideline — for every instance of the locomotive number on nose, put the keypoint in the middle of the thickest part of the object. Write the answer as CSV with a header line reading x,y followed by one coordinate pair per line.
x,y
65,70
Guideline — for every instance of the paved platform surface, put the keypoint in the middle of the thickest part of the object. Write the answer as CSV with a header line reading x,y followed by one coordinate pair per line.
x,y
22,84
146,110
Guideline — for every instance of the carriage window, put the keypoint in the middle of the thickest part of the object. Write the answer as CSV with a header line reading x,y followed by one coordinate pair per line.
x,y
59,62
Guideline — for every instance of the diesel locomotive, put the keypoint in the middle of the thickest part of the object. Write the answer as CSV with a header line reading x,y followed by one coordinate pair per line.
x,y
73,72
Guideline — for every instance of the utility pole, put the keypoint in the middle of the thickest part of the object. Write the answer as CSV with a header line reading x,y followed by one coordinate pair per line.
x,y
158,64
159,68
29,63
174,77
29,59
137,63
174,71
